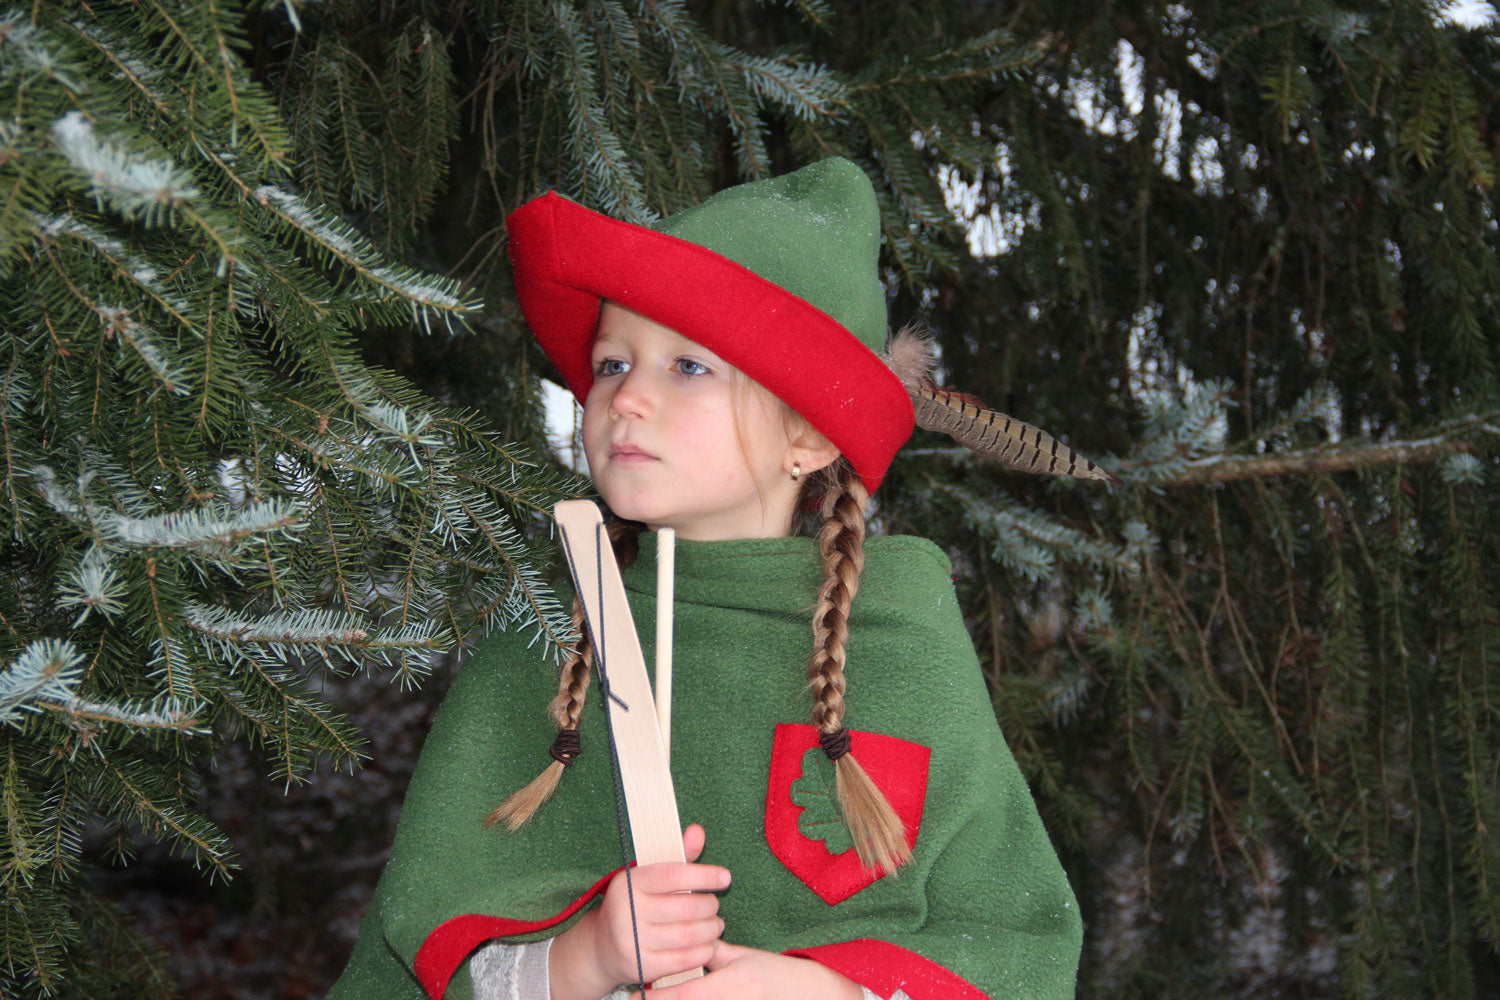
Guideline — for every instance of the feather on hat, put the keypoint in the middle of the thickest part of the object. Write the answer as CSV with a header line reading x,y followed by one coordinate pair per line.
x,y
975,425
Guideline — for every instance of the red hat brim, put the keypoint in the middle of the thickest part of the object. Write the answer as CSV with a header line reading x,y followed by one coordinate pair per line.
x,y
568,258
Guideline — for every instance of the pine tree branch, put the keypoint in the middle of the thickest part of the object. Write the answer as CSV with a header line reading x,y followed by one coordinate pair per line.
x,y
129,268
76,713
537,601
1313,461
9,391
135,803
1223,468
337,743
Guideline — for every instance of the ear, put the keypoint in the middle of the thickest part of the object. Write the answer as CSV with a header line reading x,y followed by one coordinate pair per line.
x,y
810,450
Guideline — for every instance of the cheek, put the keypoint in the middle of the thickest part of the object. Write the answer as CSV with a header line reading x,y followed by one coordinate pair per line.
x,y
765,436
595,410
595,428
720,458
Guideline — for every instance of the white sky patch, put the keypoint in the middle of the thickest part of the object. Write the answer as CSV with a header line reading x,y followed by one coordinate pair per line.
x,y
1168,141
1151,376
1471,14
1393,252
1200,59
994,231
1131,67
564,418
1329,411
1089,104
1313,339
1204,166
1142,368
234,477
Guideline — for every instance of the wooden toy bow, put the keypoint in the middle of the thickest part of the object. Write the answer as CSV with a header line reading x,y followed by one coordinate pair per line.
x,y
639,742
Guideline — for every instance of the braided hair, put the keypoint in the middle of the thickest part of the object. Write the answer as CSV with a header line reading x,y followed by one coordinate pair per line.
x,y
567,705
878,833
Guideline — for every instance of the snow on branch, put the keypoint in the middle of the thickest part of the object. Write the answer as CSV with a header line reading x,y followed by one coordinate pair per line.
x,y
24,43
45,677
215,525
121,326
140,187
294,628
47,668
93,585
807,89
395,421
223,630
204,527
84,714
126,263
426,294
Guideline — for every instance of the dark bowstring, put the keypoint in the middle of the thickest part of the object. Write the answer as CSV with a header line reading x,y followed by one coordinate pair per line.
x,y
621,815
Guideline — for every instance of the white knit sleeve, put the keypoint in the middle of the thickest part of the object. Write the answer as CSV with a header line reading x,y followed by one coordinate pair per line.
x,y
511,971
516,972
519,972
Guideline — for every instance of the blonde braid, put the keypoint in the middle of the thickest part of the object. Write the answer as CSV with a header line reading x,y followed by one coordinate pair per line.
x,y
879,836
566,707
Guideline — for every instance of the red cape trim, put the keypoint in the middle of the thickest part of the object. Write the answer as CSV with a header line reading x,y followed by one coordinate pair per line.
x,y
566,258
886,968
453,940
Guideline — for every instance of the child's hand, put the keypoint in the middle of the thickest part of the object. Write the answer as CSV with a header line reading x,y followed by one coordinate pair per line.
x,y
737,973
678,929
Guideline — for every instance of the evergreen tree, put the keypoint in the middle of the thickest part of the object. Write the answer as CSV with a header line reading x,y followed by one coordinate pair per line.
x,y
209,498
1252,250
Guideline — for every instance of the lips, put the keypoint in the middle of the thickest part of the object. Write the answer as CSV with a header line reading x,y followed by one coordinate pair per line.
x,y
629,453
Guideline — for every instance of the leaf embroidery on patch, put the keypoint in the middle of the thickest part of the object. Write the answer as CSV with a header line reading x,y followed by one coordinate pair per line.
x,y
817,794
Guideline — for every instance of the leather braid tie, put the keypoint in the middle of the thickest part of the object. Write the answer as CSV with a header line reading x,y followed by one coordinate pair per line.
x,y
566,747
836,743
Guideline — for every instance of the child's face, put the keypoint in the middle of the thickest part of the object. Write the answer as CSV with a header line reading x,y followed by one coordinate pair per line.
x,y
659,431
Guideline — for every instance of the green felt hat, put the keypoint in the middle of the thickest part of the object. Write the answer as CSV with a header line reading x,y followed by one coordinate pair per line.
x,y
814,232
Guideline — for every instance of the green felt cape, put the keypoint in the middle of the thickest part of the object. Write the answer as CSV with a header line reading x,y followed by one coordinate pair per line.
x,y
983,909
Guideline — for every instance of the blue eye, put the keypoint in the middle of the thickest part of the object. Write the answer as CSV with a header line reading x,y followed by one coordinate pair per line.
x,y
687,366
610,366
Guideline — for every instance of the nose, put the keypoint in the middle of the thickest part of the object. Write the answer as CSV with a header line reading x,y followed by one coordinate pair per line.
x,y
632,397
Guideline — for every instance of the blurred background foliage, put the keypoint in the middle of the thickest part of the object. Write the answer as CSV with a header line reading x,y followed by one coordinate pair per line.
x,y
1244,254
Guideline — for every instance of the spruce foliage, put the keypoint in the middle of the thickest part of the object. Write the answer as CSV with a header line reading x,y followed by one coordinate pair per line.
x,y
210,497
1252,250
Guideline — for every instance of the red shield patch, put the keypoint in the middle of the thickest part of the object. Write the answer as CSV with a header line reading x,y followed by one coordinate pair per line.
x,y
797,818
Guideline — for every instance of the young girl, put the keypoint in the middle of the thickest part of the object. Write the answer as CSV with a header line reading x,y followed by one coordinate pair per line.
x,y
859,828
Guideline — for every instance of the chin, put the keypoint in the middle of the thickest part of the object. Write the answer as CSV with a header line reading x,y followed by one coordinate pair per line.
x,y
633,509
